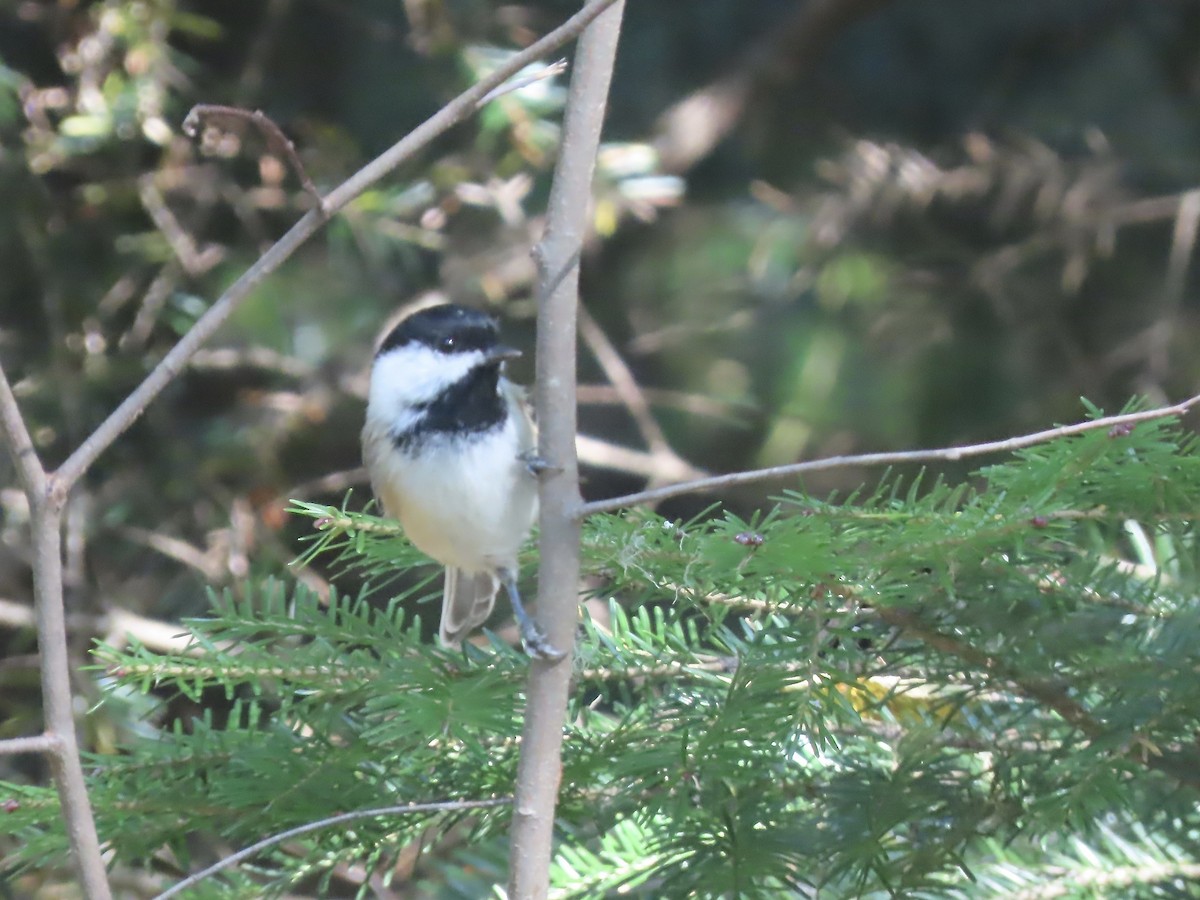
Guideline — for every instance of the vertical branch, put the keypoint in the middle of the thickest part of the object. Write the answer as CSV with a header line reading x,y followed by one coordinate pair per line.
x,y
558,254
46,512
56,697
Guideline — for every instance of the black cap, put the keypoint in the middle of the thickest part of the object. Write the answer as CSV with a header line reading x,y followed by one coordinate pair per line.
x,y
448,328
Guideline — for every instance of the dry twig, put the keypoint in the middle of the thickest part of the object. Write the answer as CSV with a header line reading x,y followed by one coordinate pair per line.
x,y
277,141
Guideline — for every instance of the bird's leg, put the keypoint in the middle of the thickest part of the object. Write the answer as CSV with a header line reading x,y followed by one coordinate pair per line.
x,y
536,644
537,465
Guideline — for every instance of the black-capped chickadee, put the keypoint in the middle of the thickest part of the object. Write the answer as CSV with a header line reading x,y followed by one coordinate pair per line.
x,y
449,445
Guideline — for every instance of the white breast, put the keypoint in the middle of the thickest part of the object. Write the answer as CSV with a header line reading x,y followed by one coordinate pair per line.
x,y
467,502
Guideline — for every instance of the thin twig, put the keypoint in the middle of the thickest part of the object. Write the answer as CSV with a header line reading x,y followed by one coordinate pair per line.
x,y
207,564
330,483
557,255
195,261
271,361
653,669
277,141
696,404
551,70
117,625
718,482
259,846
158,292
457,110
1183,249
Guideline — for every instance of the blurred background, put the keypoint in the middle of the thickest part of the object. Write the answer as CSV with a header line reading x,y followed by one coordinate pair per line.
x,y
820,227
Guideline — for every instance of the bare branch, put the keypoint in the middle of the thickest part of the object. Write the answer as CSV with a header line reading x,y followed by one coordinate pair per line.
x,y
330,483
58,710
696,404
151,307
1183,249
540,765
38,743
46,515
117,625
194,260
948,454
234,858
461,107
208,564
272,361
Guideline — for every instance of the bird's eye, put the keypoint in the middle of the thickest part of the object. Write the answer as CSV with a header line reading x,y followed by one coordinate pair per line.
x,y
446,343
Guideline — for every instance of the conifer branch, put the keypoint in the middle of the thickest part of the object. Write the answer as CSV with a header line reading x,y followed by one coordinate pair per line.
x,y
1053,696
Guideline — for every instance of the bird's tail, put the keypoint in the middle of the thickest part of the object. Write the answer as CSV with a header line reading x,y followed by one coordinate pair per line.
x,y
467,601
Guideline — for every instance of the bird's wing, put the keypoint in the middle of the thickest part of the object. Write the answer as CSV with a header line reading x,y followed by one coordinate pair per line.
x,y
527,423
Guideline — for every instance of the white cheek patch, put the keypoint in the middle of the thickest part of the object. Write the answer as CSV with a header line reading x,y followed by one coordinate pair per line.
x,y
413,375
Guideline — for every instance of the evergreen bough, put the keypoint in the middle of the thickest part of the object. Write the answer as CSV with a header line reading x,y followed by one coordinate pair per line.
x,y
924,690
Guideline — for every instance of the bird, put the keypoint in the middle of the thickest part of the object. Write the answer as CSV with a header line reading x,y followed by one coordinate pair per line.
x,y
449,444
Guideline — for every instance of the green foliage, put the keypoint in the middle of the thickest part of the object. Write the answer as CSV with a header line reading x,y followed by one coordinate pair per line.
x,y
925,690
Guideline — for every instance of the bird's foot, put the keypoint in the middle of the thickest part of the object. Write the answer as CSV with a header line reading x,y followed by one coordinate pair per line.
x,y
537,465
537,645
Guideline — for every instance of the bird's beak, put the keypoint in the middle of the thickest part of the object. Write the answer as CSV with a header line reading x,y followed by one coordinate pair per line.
x,y
502,353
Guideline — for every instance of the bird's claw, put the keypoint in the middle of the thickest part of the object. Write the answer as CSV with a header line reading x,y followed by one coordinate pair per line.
x,y
537,465
537,645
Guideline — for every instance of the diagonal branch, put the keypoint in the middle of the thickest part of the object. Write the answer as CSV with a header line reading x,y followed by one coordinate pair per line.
x,y
949,454
457,110
20,444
